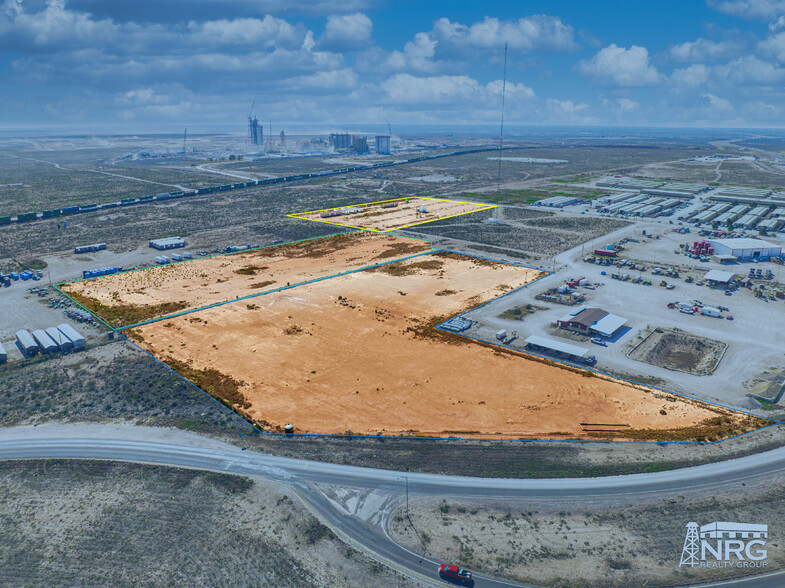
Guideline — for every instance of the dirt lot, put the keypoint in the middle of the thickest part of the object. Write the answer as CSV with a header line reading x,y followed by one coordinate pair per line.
x,y
407,213
355,353
90,523
124,299
524,229
590,543
678,350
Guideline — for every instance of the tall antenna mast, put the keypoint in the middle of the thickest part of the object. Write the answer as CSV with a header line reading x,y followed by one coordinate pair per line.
x,y
501,128
185,136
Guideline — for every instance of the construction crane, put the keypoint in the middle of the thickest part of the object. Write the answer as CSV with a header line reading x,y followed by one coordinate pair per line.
x,y
185,136
389,130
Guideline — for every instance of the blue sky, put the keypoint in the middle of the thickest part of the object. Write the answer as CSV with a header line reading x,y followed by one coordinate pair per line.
x,y
144,63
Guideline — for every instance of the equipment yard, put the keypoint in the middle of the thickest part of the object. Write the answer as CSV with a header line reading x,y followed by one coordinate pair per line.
x,y
390,215
358,352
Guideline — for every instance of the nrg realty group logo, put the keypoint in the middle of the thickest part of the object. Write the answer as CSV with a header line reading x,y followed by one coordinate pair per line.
x,y
725,545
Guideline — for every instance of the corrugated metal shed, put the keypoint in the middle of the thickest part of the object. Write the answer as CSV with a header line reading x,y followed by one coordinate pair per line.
x,y
719,276
45,342
26,342
63,342
557,346
71,333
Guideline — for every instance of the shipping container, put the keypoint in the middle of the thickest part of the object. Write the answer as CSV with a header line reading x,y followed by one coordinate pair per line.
x,y
26,217
51,213
70,210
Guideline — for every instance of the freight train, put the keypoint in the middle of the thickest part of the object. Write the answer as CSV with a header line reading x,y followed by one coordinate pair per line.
x,y
68,210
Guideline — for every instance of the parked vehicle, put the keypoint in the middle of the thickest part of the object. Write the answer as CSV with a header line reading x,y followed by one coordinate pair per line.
x,y
599,341
456,575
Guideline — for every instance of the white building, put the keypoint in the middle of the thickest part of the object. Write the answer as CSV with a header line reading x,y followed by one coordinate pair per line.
x,y
746,248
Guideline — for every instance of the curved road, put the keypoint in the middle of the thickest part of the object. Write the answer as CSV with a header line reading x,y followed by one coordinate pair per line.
x,y
368,534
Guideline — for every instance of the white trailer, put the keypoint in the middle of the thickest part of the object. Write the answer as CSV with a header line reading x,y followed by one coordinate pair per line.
x,y
3,354
710,311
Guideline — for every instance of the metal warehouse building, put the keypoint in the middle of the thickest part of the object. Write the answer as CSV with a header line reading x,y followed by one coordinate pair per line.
x,y
746,248
168,243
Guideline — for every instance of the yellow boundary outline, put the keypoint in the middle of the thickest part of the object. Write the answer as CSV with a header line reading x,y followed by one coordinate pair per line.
x,y
481,207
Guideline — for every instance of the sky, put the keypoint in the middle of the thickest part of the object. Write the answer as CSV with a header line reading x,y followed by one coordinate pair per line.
x,y
174,63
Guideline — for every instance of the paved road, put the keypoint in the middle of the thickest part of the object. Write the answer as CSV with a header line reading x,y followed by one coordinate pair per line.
x,y
310,479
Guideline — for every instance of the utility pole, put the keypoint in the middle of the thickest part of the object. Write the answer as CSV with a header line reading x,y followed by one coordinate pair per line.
x,y
501,128
407,497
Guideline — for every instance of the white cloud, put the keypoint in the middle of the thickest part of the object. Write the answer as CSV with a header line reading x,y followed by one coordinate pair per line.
x,y
345,33
566,106
750,9
409,89
750,70
417,55
703,50
267,32
535,33
690,77
618,66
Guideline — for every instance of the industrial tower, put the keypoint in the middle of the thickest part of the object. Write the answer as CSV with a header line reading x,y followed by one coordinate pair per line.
x,y
690,551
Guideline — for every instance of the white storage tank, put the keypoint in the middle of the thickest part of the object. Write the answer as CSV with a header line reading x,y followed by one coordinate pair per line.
x,y
70,332
45,342
63,342
26,343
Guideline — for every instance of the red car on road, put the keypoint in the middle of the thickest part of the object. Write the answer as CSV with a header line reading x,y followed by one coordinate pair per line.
x,y
457,575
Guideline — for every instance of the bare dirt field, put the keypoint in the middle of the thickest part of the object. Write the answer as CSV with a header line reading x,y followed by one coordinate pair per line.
x,y
97,523
678,350
408,212
128,298
356,353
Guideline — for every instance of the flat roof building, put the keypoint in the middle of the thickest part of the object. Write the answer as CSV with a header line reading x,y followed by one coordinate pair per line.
x,y
167,243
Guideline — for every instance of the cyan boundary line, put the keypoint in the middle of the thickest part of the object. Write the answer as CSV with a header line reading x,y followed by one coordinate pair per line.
x,y
434,439
107,325
226,253
438,327
298,284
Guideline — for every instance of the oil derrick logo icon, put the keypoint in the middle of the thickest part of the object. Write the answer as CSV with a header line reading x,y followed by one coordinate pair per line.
x,y
691,551
725,545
